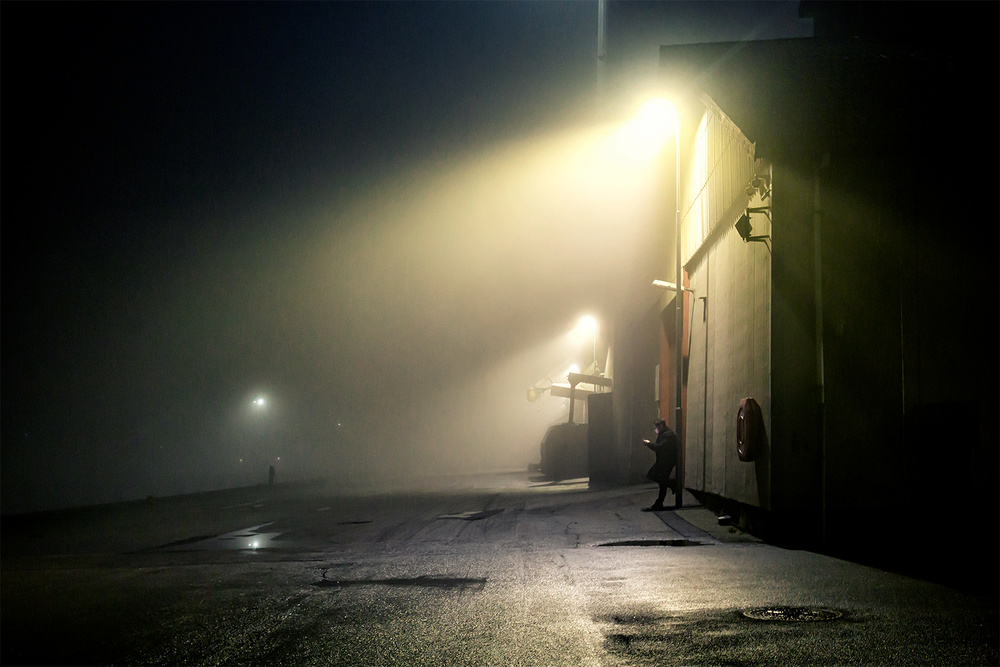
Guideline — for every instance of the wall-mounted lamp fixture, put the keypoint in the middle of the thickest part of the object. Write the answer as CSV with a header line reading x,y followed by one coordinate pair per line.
x,y
663,284
760,185
745,229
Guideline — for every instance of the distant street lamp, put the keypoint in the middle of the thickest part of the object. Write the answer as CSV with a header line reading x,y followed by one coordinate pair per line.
x,y
589,325
258,432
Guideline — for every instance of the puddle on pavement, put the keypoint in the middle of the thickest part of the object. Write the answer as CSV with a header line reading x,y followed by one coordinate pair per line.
x,y
471,516
449,583
245,539
652,543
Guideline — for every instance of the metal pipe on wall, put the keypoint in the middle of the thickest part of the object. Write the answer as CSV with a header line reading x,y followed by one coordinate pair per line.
x,y
679,318
602,49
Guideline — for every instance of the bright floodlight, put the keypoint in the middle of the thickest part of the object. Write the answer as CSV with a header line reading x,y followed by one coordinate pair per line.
x,y
657,119
587,323
259,402
585,330
644,135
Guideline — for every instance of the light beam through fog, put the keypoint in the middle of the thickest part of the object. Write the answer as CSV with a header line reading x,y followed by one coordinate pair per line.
x,y
376,338
438,306
194,236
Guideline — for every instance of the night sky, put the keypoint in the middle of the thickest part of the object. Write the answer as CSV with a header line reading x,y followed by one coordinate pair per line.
x,y
374,216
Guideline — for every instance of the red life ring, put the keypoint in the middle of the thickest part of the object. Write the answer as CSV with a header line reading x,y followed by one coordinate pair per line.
x,y
748,429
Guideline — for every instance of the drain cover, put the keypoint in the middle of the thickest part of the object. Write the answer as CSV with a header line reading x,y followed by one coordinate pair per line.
x,y
796,614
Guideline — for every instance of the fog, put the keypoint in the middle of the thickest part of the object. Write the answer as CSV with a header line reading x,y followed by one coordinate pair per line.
x,y
426,306
384,220
393,331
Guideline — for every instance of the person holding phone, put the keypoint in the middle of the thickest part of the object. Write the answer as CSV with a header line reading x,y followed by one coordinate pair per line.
x,y
665,448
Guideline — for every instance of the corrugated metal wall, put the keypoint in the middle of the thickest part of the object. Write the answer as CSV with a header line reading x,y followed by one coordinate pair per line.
x,y
714,177
730,319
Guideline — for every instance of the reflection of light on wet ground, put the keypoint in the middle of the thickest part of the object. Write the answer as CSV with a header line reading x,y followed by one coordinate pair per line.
x,y
244,539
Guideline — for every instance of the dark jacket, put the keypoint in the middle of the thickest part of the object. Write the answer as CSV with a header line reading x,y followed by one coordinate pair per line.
x,y
665,448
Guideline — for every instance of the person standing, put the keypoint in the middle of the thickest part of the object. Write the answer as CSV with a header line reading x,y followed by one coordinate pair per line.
x,y
665,448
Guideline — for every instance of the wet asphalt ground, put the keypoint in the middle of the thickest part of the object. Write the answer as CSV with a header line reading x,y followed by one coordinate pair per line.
x,y
487,570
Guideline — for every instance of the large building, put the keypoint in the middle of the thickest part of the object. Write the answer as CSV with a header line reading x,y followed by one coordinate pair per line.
x,y
839,236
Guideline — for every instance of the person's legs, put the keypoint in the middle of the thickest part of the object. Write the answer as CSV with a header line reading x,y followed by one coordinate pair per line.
x,y
661,475
663,494
669,481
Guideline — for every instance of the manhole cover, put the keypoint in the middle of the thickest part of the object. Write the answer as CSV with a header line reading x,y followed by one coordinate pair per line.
x,y
792,614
